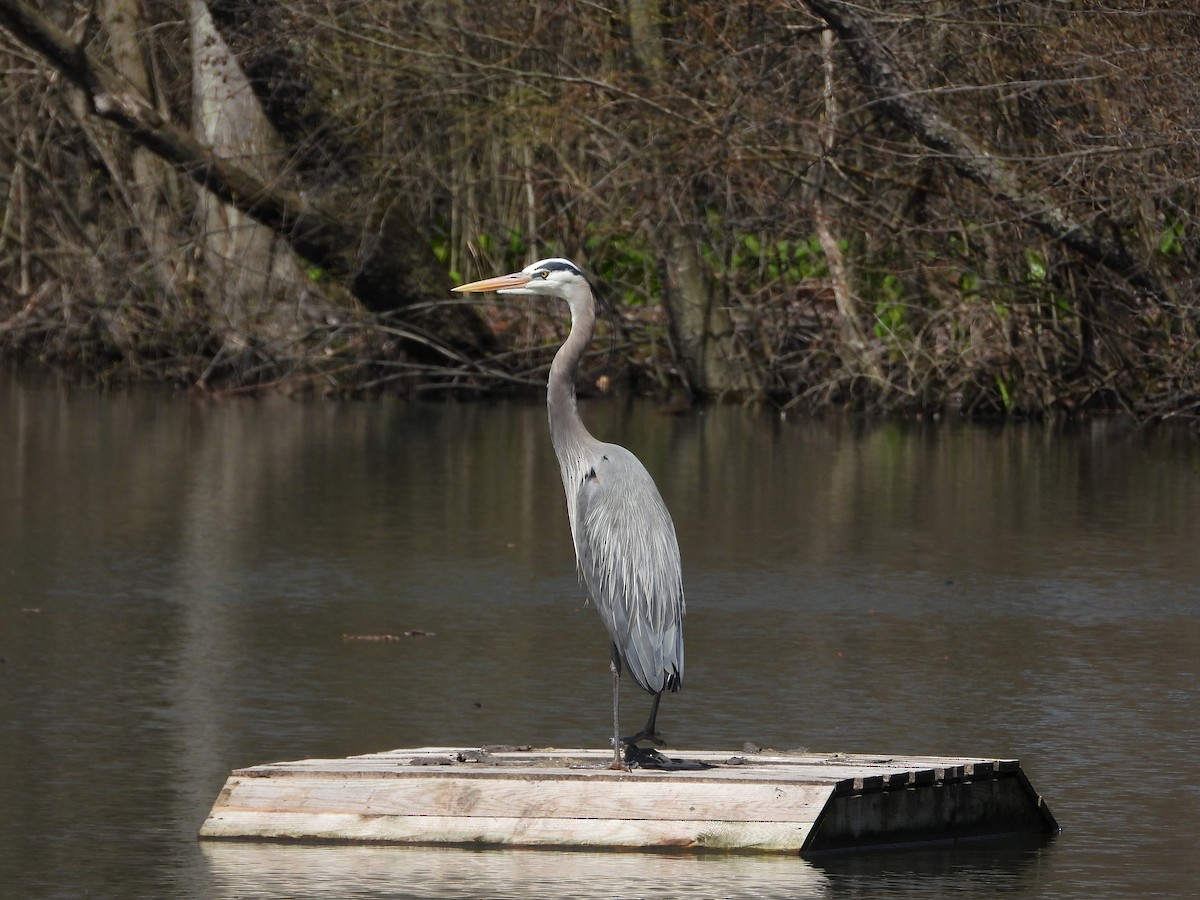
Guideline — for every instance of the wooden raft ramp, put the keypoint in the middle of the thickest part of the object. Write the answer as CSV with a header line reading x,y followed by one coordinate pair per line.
x,y
753,802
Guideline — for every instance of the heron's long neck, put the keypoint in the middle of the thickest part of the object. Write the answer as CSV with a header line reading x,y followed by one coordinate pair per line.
x,y
566,428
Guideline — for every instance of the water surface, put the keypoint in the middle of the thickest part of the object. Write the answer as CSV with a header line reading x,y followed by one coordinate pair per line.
x,y
178,578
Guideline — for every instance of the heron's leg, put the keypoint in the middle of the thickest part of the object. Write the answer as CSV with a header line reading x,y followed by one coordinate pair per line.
x,y
615,666
649,732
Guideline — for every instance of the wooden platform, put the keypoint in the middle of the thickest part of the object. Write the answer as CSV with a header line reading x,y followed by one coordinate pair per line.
x,y
756,802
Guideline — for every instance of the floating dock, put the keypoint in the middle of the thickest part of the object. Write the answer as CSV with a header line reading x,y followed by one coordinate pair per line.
x,y
763,801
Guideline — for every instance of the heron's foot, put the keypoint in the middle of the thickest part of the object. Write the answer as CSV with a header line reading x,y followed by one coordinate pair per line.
x,y
644,758
617,763
654,737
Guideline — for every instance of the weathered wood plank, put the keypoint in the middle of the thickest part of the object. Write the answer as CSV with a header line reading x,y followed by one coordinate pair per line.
x,y
535,797
555,764
708,834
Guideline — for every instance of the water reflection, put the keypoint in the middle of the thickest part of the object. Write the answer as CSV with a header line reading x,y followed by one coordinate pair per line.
x,y
178,577
986,869
270,870
450,873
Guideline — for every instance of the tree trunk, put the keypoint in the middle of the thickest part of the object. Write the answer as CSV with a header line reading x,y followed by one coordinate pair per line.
x,y
398,267
706,346
248,266
705,343
858,359
150,178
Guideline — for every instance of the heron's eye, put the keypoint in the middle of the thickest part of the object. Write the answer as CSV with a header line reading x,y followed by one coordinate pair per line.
x,y
544,274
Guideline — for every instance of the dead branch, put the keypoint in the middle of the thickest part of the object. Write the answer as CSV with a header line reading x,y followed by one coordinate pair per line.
x,y
380,274
899,100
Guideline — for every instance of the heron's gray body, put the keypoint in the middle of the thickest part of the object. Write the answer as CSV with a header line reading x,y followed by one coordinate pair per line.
x,y
628,559
625,543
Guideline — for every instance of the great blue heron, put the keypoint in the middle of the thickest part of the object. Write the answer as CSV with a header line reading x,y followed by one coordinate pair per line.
x,y
624,538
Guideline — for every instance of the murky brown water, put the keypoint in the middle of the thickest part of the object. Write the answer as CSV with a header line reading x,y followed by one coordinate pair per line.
x,y
176,579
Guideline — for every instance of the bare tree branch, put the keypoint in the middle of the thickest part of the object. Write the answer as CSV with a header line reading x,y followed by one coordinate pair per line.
x,y
383,271
899,101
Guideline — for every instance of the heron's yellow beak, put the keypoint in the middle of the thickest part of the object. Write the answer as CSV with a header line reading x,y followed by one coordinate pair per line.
x,y
499,283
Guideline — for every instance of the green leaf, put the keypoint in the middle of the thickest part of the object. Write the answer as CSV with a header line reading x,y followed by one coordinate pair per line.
x,y
1005,386
1170,242
1036,270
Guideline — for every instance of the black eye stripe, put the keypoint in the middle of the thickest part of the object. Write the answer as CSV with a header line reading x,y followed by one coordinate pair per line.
x,y
559,265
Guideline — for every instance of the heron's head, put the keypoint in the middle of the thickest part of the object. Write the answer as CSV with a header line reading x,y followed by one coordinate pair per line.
x,y
547,277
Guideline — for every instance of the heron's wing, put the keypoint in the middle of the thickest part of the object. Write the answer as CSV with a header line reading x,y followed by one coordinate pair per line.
x,y
629,560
